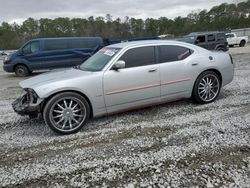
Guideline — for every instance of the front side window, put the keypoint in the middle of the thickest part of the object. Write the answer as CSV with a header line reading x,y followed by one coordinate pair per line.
x,y
201,39
31,48
169,53
141,56
229,35
98,61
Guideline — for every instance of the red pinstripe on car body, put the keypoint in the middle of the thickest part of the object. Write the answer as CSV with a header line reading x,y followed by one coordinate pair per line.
x,y
111,92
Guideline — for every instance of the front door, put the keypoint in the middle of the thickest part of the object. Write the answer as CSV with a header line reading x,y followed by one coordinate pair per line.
x,y
32,54
211,42
137,84
201,41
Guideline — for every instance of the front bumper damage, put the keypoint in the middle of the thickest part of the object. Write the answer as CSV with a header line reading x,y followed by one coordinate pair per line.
x,y
28,104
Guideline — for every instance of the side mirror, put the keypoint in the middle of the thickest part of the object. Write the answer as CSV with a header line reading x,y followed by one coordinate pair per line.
x,y
119,65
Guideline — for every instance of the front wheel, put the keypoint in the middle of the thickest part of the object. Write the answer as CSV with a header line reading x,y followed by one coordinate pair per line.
x,y
207,87
21,71
66,113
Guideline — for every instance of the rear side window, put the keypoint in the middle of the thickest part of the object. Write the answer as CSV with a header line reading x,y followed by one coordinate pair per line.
x,y
58,44
169,53
84,43
211,38
139,57
221,37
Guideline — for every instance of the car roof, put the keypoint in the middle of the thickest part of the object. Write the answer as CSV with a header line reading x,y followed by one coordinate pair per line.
x,y
205,33
59,38
149,42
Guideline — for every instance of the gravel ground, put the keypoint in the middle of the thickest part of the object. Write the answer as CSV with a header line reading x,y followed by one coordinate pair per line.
x,y
179,144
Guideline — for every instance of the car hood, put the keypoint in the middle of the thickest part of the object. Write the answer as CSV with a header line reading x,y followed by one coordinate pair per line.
x,y
55,76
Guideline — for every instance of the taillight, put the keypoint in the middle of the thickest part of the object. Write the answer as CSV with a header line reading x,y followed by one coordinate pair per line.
x,y
231,58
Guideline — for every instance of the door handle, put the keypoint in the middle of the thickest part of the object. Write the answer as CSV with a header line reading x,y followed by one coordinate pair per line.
x,y
195,64
152,70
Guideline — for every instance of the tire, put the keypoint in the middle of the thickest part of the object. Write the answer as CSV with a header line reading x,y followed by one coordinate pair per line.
x,y
221,49
206,88
231,46
242,43
66,113
21,70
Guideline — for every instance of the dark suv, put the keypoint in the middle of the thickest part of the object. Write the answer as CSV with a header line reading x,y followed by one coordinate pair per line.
x,y
209,40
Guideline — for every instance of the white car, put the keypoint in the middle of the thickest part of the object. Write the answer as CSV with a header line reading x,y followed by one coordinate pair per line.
x,y
233,39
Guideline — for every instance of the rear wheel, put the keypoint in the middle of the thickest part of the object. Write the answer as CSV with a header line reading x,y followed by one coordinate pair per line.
x,y
207,87
66,113
231,46
21,70
242,43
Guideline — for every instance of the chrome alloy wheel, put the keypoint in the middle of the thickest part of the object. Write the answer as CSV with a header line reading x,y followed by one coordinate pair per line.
x,y
208,87
68,113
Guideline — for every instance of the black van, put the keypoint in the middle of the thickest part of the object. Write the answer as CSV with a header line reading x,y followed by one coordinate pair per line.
x,y
50,53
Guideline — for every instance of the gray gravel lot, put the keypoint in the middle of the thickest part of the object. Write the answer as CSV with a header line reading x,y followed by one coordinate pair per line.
x,y
179,144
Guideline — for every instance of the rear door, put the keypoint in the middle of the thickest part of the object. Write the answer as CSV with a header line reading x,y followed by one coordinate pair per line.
x,y
231,39
136,85
175,71
211,42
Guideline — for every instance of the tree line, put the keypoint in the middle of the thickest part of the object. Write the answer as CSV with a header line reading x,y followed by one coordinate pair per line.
x,y
223,17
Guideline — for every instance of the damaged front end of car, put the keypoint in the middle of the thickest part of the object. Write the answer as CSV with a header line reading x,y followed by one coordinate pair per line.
x,y
28,104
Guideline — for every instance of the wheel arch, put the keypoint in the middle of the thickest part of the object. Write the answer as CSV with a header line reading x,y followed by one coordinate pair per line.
x,y
217,72
210,69
213,70
220,46
21,63
242,41
73,91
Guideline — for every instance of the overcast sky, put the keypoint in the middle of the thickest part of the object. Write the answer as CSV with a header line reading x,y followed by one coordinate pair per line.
x,y
19,10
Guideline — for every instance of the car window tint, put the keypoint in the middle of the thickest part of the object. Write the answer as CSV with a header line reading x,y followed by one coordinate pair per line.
x,y
31,48
211,38
139,57
57,44
201,39
168,53
221,37
229,35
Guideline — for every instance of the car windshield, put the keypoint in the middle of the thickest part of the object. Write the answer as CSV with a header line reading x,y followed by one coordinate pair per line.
x,y
98,61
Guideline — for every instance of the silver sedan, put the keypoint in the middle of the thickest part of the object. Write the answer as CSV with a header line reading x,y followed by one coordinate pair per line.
x,y
122,77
